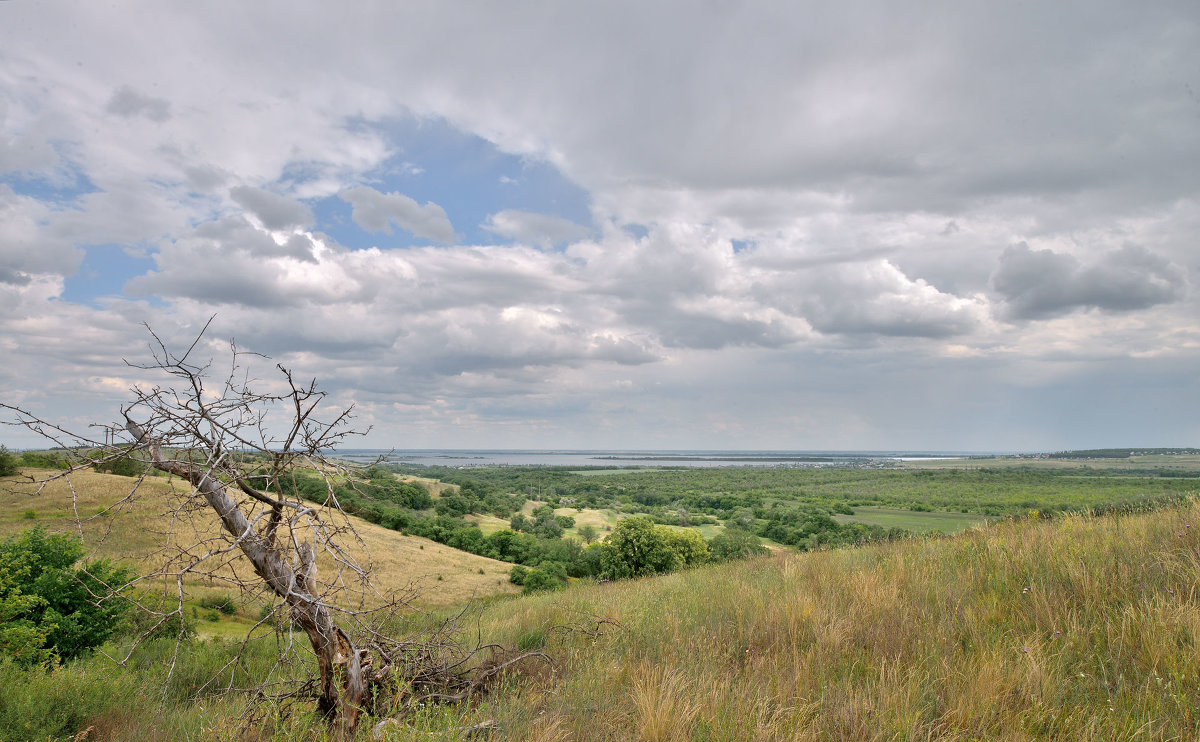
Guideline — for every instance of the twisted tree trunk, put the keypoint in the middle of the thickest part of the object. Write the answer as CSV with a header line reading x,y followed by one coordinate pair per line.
x,y
341,702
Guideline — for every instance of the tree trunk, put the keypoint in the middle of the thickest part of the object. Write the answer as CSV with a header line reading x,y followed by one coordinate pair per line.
x,y
342,702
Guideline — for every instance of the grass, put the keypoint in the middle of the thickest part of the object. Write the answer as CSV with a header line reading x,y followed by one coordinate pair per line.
x,y
489,524
917,522
1075,629
602,520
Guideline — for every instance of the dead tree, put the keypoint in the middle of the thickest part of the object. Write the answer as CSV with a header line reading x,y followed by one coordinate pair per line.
x,y
237,449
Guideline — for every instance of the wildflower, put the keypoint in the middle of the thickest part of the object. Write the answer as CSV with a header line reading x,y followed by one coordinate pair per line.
x,y
1025,650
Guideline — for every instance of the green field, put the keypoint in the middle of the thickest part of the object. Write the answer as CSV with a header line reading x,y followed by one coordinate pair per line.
x,y
807,507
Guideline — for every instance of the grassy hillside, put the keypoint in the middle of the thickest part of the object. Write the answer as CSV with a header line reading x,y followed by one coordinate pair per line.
x,y
1077,628
444,576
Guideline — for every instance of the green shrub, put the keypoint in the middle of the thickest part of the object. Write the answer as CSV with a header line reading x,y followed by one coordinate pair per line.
x,y
546,576
518,574
223,603
638,547
50,607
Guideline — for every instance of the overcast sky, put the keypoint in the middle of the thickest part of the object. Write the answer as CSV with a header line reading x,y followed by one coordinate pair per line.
x,y
784,225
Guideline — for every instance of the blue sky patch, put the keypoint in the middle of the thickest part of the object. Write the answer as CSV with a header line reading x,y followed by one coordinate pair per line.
x,y
104,271
464,174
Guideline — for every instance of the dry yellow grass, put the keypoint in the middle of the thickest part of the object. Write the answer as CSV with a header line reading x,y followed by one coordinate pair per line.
x,y
488,524
133,534
602,519
666,706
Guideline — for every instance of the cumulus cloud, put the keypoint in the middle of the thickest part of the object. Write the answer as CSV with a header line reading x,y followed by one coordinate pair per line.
x,y
273,210
1038,284
879,299
230,261
534,229
377,212
868,173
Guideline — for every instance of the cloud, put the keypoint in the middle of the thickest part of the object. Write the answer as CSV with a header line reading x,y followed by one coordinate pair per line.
x,y
28,244
273,210
878,299
777,194
1039,284
534,229
377,212
14,277
128,103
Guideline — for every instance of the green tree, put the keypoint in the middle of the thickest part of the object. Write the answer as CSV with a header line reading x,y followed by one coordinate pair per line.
x,y
124,466
637,547
21,638
45,595
689,546
588,533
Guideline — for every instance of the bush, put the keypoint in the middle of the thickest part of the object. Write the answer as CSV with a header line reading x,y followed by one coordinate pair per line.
x,y
518,574
689,546
222,603
47,606
546,576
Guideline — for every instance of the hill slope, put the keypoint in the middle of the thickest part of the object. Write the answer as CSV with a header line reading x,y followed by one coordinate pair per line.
x,y
444,576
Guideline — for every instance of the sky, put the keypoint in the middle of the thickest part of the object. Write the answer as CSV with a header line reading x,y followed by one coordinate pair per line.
x,y
625,225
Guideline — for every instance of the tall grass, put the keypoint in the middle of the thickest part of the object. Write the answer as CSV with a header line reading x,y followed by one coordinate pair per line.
x,y
1078,628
